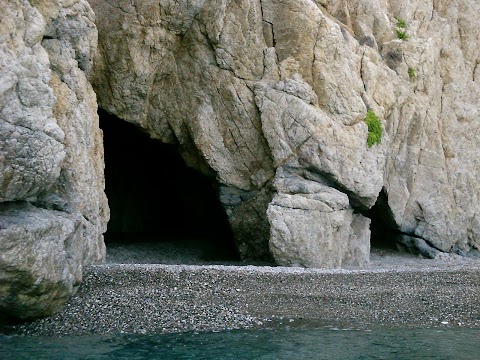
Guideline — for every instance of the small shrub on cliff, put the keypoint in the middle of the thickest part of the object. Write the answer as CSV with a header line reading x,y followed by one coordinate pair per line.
x,y
401,34
374,128
401,30
402,24
411,73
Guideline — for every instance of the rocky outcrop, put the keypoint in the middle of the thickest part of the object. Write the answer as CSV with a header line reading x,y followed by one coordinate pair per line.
x,y
432,166
205,75
269,96
53,210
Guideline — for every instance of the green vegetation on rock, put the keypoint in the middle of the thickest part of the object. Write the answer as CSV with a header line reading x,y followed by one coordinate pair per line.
x,y
374,128
402,35
401,30
401,23
411,73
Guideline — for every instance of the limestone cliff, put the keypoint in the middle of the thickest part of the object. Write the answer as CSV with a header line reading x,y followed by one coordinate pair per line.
x,y
268,97
53,210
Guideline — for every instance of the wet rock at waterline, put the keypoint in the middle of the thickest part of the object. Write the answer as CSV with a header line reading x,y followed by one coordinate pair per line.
x,y
266,97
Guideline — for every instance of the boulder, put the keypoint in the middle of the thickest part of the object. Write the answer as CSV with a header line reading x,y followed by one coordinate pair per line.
x,y
53,210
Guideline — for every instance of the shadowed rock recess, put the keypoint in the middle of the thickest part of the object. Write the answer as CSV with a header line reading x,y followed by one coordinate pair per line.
x,y
267,99
157,202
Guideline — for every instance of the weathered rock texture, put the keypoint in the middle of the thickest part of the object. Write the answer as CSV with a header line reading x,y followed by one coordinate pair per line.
x,y
53,210
270,96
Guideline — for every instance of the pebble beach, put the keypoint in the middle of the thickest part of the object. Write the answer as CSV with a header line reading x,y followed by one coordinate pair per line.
x,y
396,290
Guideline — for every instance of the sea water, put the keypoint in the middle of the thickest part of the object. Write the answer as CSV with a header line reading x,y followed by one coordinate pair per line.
x,y
320,343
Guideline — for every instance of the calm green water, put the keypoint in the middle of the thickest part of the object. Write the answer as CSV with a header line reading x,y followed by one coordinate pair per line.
x,y
323,343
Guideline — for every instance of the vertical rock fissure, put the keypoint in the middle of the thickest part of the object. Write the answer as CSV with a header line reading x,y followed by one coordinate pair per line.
x,y
383,226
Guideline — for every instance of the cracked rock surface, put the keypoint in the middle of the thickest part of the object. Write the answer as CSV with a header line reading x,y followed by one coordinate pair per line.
x,y
53,210
251,90
267,97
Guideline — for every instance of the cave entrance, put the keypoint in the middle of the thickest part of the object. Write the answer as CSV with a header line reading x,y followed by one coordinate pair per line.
x,y
384,230
161,211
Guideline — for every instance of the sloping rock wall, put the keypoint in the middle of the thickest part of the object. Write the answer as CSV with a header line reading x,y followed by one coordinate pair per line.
x,y
53,210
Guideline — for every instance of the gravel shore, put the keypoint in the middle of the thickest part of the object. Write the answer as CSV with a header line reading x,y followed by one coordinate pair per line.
x,y
395,290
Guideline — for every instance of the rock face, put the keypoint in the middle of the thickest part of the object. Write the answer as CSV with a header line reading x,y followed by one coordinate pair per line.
x,y
53,210
269,96
242,94
266,97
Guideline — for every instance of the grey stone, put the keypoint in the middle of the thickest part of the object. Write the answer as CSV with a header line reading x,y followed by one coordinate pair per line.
x,y
418,246
53,211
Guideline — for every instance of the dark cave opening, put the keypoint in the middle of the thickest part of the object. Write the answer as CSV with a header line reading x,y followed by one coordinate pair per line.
x,y
384,230
157,203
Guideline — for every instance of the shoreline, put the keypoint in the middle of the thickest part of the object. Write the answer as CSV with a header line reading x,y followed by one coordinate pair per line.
x,y
156,298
